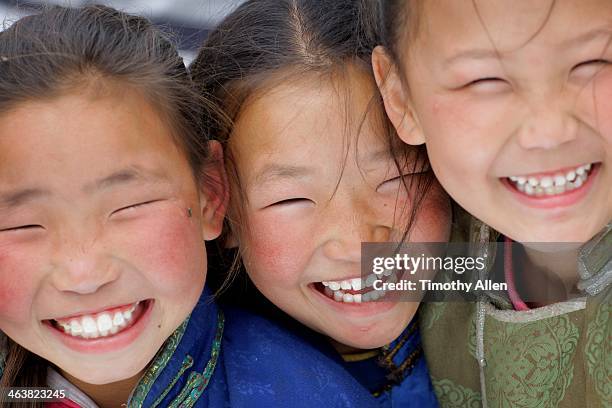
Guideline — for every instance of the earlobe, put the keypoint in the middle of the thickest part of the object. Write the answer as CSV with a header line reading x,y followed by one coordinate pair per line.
x,y
214,193
395,97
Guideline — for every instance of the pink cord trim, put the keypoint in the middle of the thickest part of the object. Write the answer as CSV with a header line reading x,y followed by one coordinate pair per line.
x,y
515,298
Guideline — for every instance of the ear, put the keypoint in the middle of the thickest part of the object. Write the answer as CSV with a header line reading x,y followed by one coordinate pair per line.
x,y
214,192
395,97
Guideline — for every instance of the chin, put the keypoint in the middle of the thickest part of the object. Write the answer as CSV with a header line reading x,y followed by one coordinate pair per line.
x,y
104,375
369,338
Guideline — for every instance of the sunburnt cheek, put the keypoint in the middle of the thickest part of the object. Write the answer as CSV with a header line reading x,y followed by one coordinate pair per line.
x,y
602,97
16,290
167,247
276,251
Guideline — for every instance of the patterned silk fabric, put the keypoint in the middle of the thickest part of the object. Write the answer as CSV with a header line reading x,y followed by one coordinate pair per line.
x,y
236,359
558,355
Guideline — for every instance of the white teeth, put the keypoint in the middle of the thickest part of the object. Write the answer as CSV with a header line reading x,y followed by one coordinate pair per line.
x,y
118,319
552,185
90,329
334,285
105,324
578,182
76,328
546,182
337,289
560,180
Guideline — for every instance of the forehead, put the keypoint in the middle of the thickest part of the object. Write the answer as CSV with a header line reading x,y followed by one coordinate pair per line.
x,y
80,137
309,117
508,25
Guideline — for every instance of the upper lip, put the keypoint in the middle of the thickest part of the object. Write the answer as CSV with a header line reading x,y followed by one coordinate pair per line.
x,y
558,170
92,311
340,279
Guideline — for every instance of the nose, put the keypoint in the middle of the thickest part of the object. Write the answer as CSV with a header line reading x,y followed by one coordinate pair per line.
x,y
349,227
548,126
81,269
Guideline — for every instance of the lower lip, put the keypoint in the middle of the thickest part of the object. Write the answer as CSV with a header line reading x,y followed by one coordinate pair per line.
x,y
566,199
363,309
111,343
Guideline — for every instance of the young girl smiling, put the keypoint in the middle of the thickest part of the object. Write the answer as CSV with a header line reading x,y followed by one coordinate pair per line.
x,y
511,102
314,174
108,190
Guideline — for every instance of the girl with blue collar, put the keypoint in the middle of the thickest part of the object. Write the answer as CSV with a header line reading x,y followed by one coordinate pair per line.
x,y
108,190
314,174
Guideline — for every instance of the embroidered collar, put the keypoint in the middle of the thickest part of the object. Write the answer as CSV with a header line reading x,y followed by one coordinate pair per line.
x,y
382,369
594,261
182,369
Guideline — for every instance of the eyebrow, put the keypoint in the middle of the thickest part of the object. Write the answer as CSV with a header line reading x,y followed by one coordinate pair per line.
x,y
477,53
280,171
124,176
589,36
487,53
16,198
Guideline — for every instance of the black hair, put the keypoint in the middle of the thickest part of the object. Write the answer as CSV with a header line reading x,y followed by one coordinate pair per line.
x,y
265,42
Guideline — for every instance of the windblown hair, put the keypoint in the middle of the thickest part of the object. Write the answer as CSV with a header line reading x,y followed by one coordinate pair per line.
x,y
266,42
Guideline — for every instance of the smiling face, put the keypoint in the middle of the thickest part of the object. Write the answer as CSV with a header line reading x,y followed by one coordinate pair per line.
x,y
93,219
513,105
316,190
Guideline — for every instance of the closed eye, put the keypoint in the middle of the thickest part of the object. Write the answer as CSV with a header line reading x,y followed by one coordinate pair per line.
x,y
22,228
590,67
592,62
133,207
487,84
290,201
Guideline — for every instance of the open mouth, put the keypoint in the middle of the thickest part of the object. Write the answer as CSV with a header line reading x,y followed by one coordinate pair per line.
x,y
103,324
555,184
356,290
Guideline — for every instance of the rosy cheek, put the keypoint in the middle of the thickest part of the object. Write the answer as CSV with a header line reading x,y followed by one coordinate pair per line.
x,y
434,218
603,100
276,250
17,275
166,246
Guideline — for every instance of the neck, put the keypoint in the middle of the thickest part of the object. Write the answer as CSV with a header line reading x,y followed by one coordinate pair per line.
x,y
345,349
107,395
550,276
